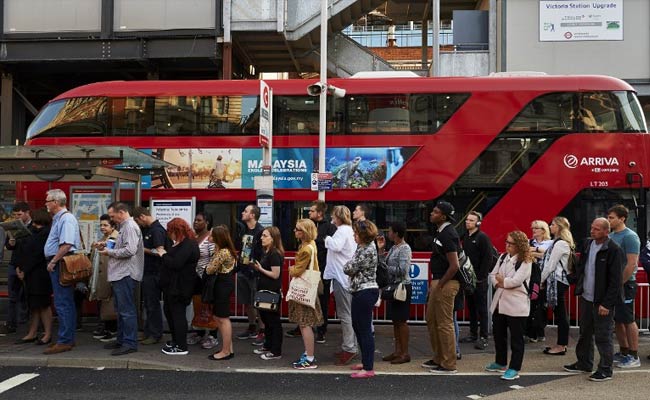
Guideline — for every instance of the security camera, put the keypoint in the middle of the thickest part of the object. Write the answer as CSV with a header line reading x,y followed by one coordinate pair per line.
x,y
88,175
315,89
335,91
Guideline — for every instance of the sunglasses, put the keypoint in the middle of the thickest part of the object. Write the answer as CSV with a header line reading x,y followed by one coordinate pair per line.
x,y
510,243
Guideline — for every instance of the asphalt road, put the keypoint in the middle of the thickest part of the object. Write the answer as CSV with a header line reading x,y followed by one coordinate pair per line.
x,y
78,383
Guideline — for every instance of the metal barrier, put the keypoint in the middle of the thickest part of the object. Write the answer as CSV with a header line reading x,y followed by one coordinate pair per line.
x,y
418,311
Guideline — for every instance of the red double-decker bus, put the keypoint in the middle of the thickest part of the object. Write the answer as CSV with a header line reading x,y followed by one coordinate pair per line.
x,y
515,148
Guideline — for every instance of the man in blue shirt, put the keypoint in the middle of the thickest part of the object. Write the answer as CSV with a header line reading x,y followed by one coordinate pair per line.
x,y
63,239
627,333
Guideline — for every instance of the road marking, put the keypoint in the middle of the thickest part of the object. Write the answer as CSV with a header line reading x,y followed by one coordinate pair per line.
x,y
516,387
15,381
474,396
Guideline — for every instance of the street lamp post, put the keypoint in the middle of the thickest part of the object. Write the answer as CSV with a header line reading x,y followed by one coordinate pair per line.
x,y
322,89
322,114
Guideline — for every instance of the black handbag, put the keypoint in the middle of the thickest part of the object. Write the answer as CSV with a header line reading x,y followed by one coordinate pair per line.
x,y
207,294
267,300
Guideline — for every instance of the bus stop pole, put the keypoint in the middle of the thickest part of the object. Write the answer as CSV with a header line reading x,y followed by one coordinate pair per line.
x,y
138,192
322,122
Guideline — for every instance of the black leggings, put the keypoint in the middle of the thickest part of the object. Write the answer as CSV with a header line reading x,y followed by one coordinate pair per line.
x,y
174,308
560,314
272,331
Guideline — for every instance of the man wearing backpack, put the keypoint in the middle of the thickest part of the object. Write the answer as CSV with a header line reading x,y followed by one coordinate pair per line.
x,y
627,333
443,288
479,249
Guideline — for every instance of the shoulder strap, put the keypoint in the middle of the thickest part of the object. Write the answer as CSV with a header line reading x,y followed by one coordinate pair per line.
x,y
501,258
518,264
81,238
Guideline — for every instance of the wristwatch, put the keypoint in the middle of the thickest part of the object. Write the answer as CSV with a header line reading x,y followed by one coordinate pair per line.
x,y
154,251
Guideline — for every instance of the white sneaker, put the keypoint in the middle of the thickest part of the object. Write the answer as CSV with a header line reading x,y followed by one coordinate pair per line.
x,y
629,362
270,356
193,338
209,342
174,351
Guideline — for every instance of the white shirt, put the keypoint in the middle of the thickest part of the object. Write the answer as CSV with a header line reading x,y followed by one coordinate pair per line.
x,y
340,249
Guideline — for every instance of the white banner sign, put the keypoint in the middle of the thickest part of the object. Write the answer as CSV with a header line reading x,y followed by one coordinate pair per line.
x,y
166,210
577,20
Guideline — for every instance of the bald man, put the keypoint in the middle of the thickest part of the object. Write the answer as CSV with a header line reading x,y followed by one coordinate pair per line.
x,y
598,275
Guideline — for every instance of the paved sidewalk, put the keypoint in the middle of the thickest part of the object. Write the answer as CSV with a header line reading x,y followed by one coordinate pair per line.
x,y
89,353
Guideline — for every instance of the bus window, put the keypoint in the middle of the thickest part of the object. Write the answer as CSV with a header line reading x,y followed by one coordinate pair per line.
x,y
227,115
548,113
597,112
401,113
83,116
632,118
299,115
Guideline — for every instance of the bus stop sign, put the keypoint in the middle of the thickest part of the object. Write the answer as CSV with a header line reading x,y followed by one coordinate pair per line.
x,y
266,102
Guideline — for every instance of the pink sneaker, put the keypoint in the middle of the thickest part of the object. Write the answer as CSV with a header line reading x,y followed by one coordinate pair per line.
x,y
357,367
362,374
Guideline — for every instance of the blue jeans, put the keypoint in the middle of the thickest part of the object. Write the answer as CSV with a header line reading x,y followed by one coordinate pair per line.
x,y
127,315
65,308
362,303
153,326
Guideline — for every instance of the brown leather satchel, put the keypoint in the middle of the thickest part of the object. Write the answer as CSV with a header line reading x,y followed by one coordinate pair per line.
x,y
75,268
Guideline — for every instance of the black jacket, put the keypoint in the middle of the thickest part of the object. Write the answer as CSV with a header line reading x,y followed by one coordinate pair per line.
x,y
609,273
30,258
325,229
478,248
178,272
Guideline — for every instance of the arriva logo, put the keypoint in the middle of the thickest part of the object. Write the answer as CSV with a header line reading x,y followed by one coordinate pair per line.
x,y
571,161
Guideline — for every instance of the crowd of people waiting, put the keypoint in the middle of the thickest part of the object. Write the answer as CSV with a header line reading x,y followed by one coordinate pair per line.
x,y
202,264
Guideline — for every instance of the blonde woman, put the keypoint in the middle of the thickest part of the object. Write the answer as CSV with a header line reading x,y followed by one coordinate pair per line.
x,y
510,305
340,249
554,279
540,241
306,317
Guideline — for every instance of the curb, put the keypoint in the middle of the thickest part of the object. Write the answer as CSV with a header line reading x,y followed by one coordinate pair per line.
x,y
88,363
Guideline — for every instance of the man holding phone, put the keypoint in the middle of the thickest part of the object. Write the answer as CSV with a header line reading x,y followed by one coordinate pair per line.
x,y
249,245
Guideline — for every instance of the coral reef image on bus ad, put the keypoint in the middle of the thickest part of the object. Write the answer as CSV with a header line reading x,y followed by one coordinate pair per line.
x,y
352,168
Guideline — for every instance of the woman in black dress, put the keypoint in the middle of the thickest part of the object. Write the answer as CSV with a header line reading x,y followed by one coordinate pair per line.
x,y
222,265
32,269
398,260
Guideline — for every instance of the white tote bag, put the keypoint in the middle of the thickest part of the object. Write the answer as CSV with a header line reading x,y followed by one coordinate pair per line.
x,y
303,289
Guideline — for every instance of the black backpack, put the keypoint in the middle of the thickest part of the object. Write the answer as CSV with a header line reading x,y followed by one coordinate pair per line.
x,y
383,278
494,253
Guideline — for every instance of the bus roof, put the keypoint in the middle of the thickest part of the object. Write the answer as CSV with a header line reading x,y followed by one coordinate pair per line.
x,y
352,86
